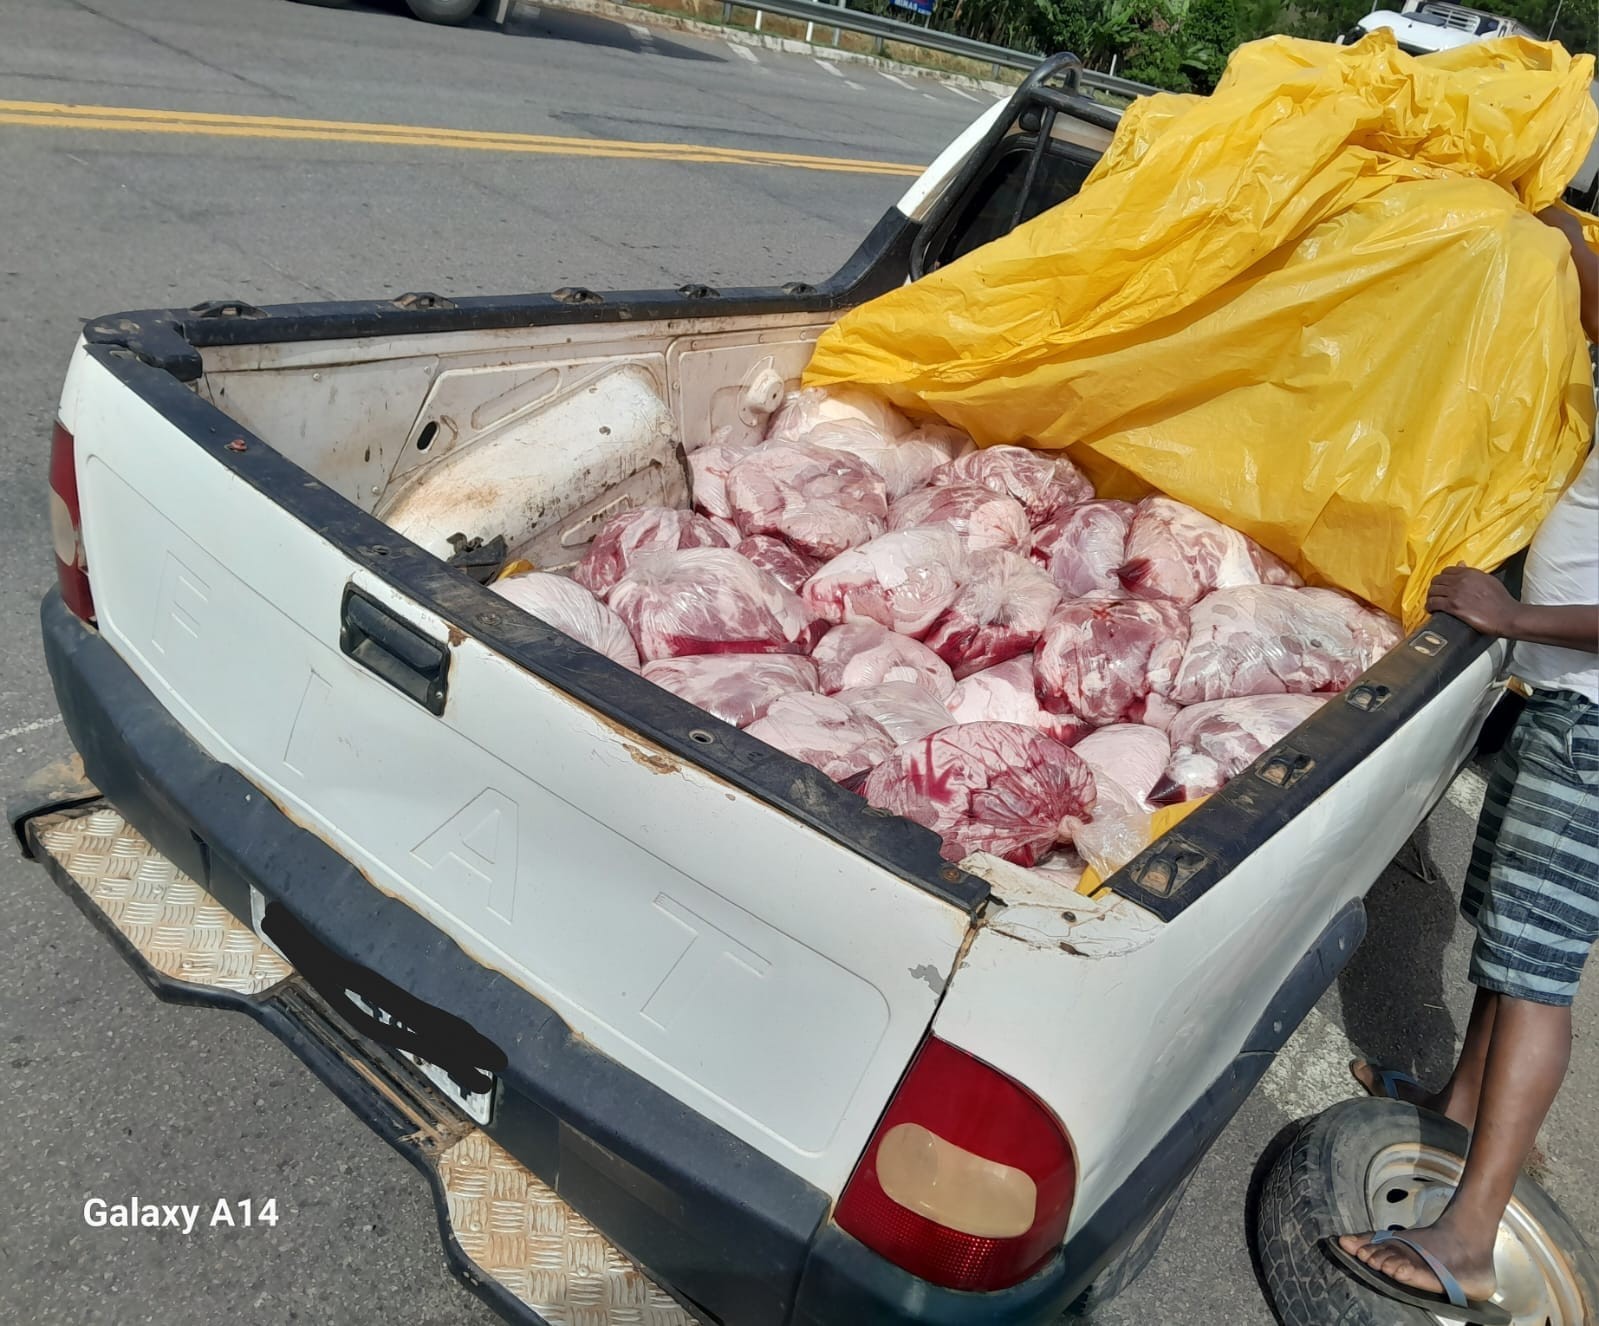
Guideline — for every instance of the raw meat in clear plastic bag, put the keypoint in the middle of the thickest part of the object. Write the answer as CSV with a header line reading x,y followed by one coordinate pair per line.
x,y
777,559
903,709
1177,553
710,601
953,442
1131,754
1118,830
1042,483
981,517
801,411
985,787
646,529
1008,693
572,610
820,501
901,581
905,463
1154,711
1375,631
1002,608
1127,760
848,657
708,467
1213,741
1099,658
1082,547
1270,639
737,688
949,439
821,731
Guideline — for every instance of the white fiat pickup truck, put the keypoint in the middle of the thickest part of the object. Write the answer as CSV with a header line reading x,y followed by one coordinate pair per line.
x,y
678,1029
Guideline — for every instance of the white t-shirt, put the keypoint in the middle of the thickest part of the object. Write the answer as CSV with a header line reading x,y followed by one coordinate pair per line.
x,y
1563,569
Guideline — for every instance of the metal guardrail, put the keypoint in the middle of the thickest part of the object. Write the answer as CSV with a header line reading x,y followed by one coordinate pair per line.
x,y
1121,87
892,29
913,34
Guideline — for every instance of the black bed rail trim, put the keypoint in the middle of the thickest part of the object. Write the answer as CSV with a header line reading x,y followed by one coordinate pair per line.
x,y
1187,862
153,352
421,299
158,337
226,308
171,339
1166,878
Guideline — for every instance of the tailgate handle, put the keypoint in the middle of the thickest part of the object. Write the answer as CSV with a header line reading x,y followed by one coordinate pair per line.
x,y
394,650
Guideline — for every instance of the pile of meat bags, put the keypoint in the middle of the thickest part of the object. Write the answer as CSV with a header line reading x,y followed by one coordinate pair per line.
x,y
968,638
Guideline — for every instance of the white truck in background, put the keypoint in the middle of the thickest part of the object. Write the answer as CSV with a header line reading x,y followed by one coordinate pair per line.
x,y
1424,26
678,1029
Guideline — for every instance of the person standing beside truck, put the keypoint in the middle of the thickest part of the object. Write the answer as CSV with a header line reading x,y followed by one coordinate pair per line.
x,y
1532,891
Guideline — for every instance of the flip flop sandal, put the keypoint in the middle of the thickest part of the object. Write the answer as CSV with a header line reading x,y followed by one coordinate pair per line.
x,y
1386,1082
1451,1304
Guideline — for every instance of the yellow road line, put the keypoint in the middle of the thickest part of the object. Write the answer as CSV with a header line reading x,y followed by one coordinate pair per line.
x,y
130,119
404,130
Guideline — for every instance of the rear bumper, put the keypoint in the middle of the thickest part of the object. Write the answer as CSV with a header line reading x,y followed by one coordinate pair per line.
x,y
735,1237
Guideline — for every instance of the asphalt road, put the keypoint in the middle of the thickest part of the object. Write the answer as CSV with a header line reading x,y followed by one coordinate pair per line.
x,y
104,1091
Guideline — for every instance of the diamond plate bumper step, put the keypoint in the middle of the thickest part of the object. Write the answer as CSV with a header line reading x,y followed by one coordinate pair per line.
x,y
507,1234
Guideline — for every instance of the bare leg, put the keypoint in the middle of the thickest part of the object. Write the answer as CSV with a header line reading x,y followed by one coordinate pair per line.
x,y
1529,1049
1458,1098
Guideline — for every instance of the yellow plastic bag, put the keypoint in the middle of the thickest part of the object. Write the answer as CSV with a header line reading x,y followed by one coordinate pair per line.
x,y
1315,304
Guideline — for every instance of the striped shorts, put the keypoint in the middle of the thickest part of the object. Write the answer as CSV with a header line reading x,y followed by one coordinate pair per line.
x,y
1532,889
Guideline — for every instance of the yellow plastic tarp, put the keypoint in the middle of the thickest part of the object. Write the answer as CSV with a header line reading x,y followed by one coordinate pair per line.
x,y
1316,304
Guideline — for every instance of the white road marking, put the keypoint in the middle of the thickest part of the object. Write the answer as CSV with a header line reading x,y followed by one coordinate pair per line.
x,y
892,78
1312,1070
641,32
37,725
1468,791
830,67
743,51
950,87
930,96
853,86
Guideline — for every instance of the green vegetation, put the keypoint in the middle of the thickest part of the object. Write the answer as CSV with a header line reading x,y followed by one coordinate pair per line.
x,y
1183,45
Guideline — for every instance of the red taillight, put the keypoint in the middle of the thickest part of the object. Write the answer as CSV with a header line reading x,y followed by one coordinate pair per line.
x,y
969,1179
66,526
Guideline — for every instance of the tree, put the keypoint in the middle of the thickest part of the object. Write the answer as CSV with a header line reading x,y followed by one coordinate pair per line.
x,y
1147,33
1157,58
1182,44
1065,25
1210,31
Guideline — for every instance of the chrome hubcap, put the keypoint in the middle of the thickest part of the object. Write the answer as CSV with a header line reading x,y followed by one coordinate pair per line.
x,y
1408,1185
